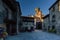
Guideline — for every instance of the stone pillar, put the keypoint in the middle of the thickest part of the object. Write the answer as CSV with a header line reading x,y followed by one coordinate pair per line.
x,y
34,23
18,23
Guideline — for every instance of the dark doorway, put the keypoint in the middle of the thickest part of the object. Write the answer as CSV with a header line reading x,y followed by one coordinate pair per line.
x,y
32,28
11,29
8,28
39,25
53,27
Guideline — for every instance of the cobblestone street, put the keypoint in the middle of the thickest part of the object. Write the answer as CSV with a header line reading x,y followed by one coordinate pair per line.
x,y
36,35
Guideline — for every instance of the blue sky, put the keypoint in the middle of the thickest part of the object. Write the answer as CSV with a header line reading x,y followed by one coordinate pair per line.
x,y
28,6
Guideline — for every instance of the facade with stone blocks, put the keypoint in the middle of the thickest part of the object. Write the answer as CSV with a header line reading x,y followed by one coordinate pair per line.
x,y
27,23
54,17
9,10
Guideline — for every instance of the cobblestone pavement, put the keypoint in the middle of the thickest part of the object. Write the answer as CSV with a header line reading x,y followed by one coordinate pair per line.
x,y
35,35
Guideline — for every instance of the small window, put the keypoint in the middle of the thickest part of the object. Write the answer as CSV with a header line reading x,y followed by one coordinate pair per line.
x,y
48,27
53,9
53,18
53,27
0,14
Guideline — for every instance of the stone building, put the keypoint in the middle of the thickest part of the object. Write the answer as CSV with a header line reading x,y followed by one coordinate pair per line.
x,y
27,23
38,18
46,23
54,12
19,13
54,17
8,18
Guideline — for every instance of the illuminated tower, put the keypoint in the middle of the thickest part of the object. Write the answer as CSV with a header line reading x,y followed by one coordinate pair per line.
x,y
38,18
38,14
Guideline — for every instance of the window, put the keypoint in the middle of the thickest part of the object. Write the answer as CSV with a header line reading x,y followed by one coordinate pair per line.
x,y
48,27
53,9
6,12
0,14
58,5
53,18
53,27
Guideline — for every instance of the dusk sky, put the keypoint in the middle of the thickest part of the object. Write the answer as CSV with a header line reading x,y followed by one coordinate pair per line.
x,y
28,6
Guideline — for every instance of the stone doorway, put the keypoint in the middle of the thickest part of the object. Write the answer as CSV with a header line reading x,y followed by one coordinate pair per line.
x,y
11,29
